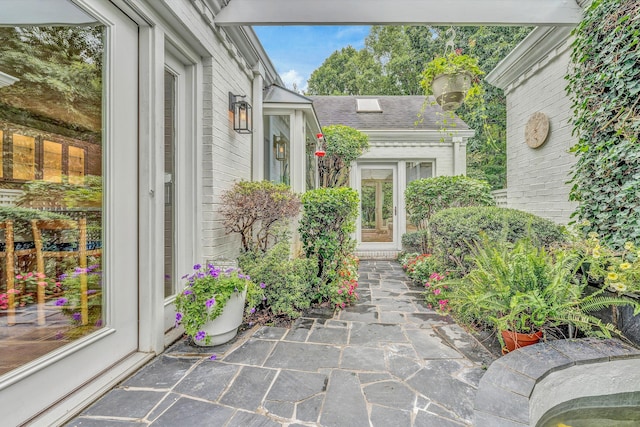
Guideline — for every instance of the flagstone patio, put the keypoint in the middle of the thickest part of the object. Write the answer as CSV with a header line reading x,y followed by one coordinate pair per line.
x,y
388,360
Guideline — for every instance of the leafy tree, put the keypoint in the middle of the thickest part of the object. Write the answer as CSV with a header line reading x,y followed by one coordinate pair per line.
x,y
343,145
60,72
346,72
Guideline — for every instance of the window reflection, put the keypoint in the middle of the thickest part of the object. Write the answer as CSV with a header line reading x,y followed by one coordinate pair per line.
x,y
51,289
277,148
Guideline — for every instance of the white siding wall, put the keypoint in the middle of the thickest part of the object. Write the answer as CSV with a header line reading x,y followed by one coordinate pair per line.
x,y
226,156
441,153
536,177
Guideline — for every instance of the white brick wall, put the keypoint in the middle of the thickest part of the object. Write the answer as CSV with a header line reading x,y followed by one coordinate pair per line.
x,y
226,155
536,178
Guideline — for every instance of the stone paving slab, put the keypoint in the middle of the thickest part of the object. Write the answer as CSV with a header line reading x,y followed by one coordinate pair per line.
x,y
388,361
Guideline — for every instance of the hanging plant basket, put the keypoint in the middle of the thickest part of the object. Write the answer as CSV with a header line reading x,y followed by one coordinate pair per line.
x,y
450,90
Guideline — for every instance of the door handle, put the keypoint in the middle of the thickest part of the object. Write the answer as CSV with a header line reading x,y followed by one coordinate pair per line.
x,y
395,211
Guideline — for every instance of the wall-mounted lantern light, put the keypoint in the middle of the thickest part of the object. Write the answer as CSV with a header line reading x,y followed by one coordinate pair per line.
x,y
241,110
280,145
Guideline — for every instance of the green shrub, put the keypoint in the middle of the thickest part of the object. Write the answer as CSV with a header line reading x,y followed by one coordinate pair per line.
x,y
454,231
62,194
22,217
328,219
289,284
425,197
415,241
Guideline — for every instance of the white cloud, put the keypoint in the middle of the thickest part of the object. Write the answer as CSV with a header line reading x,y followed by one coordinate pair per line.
x,y
293,80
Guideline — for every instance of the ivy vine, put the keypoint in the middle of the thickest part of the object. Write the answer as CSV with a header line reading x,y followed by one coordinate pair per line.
x,y
604,86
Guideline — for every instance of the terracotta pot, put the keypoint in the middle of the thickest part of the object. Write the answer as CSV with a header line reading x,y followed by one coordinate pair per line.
x,y
513,340
450,89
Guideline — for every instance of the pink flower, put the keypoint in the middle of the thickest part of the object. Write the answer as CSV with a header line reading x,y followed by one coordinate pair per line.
x,y
43,284
435,276
436,291
339,291
427,284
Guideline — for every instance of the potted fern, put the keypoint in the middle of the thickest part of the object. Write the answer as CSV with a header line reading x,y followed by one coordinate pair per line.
x,y
452,79
528,290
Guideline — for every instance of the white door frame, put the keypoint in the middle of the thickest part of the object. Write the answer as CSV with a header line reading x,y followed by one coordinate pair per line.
x,y
79,364
377,246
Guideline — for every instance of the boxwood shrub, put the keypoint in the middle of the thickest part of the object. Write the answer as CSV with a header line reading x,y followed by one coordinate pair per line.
x,y
454,231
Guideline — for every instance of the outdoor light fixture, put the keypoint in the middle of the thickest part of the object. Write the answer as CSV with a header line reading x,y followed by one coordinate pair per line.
x,y
241,113
280,145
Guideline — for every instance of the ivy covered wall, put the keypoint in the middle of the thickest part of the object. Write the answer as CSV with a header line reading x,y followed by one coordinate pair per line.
x,y
604,86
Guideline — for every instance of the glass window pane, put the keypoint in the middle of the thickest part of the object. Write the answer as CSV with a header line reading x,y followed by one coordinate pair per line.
x,y
24,157
417,170
51,290
310,159
277,148
76,165
169,162
52,161
376,187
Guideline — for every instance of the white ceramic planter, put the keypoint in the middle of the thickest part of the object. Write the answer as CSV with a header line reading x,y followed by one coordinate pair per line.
x,y
225,327
450,89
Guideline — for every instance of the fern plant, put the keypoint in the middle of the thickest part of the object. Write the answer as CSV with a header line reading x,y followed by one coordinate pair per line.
x,y
525,289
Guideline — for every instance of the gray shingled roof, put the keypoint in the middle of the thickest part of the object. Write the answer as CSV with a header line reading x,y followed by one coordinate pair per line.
x,y
398,112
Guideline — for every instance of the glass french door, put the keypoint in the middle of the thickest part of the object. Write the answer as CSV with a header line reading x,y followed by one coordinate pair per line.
x,y
69,134
377,224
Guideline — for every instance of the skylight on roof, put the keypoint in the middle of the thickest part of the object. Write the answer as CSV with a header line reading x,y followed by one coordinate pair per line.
x,y
368,105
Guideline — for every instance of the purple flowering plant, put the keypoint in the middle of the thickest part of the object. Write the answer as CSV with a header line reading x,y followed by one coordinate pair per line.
x,y
207,290
78,287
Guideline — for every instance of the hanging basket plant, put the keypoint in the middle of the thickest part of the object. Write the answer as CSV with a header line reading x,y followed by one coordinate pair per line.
x,y
452,79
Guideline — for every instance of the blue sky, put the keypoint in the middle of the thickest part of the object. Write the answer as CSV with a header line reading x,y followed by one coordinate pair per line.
x,y
298,50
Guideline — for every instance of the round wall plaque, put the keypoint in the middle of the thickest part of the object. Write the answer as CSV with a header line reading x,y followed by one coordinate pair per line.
x,y
537,130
